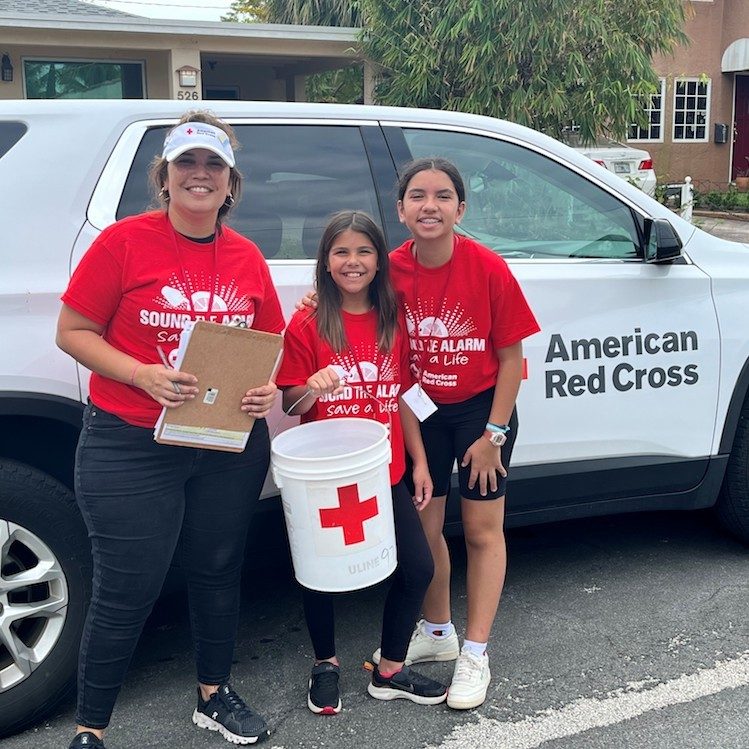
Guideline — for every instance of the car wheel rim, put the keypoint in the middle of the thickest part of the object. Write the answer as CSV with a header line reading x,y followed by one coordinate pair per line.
x,y
33,603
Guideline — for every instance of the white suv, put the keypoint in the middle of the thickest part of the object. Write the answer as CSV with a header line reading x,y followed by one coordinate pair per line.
x,y
636,389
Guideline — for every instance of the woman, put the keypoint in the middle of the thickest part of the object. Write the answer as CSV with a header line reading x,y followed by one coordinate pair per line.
x,y
355,328
135,288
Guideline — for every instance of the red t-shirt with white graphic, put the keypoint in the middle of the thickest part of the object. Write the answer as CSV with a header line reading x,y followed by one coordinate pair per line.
x,y
143,281
457,316
385,374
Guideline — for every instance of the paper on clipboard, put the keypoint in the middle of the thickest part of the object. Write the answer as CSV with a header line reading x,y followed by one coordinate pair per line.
x,y
228,362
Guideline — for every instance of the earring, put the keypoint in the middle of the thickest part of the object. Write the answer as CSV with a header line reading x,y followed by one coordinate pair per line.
x,y
164,194
229,202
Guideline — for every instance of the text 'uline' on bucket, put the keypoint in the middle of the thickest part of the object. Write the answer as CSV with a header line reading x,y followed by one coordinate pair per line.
x,y
337,502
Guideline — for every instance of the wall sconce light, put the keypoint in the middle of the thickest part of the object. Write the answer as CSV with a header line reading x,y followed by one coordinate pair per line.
x,y
6,69
188,76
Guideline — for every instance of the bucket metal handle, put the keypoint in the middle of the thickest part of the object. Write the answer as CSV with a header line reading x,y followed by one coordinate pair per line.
x,y
309,391
287,413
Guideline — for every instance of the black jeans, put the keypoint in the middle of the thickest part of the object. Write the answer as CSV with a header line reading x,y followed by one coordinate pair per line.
x,y
137,497
403,603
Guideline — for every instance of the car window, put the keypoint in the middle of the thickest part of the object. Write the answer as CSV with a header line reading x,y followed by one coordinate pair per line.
x,y
10,134
525,205
295,176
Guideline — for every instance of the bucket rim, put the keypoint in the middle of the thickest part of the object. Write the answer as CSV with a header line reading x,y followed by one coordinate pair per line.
x,y
385,436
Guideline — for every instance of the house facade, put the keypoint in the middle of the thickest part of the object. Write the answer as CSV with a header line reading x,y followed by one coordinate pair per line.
x,y
699,119
70,48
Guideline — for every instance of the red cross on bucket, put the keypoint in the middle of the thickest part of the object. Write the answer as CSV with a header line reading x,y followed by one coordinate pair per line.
x,y
350,514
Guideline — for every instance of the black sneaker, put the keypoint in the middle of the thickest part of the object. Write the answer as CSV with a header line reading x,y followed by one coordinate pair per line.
x,y
86,740
407,684
323,697
227,713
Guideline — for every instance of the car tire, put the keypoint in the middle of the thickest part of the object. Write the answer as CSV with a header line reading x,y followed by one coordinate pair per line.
x,y
42,535
733,502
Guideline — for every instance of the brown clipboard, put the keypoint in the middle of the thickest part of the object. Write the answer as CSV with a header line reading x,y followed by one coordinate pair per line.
x,y
228,361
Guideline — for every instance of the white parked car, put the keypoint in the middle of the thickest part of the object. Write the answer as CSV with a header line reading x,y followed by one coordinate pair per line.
x,y
637,389
633,164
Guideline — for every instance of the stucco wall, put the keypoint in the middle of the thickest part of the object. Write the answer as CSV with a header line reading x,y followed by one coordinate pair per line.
x,y
712,28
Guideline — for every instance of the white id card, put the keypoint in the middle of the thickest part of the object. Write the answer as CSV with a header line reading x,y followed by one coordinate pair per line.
x,y
419,402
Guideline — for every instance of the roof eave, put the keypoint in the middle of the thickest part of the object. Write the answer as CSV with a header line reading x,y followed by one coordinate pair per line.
x,y
181,28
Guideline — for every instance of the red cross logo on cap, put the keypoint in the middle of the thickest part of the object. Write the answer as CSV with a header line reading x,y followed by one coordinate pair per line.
x,y
189,131
350,514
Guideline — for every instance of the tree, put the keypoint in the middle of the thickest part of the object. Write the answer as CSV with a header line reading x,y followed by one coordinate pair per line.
x,y
542,63
301,12
247,11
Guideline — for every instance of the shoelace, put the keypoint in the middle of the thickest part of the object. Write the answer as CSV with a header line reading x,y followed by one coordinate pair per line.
x,y
468,665
327,682
415,677
235,703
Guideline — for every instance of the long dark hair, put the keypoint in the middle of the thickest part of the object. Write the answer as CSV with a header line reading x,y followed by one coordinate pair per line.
x,y
329,298
431,163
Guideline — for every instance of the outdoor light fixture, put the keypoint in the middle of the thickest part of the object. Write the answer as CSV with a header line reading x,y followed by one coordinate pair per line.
x,y
188,76
6,69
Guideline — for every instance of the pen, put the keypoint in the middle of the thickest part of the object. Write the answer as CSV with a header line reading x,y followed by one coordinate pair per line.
x,y
165,362
163,358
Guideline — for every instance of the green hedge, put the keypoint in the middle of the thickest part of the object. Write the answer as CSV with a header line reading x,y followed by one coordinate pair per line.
x,y
730,200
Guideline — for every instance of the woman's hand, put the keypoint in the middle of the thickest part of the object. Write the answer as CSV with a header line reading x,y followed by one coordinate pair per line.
x,y
168,387
259,401
485,460
423,486
325,382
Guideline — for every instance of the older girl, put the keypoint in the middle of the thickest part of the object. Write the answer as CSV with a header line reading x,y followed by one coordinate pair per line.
x,y
466,318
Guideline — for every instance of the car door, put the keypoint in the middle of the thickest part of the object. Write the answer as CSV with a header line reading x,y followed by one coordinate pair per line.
x,y
622,380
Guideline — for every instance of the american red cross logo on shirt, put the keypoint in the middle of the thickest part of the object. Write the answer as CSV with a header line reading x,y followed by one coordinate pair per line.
x,y
350,514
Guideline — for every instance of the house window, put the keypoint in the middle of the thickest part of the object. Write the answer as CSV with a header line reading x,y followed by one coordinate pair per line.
x,y
654,114
82,79
691,96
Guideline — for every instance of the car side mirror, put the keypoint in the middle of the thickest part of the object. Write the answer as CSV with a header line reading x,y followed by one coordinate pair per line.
x,y
662,243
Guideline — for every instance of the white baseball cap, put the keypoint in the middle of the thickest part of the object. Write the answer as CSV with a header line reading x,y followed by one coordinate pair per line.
x,y
198,135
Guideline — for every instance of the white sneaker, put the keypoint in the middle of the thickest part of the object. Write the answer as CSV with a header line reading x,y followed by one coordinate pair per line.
x,y
470,681
424,648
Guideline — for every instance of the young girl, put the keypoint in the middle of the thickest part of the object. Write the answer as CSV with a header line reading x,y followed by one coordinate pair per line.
x,y
466,318
355,331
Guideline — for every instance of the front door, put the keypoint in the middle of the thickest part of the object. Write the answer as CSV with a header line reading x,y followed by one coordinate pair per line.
x,y
741,144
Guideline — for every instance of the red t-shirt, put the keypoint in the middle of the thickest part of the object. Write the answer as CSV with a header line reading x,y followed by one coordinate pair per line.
x,y
385,374
457,316
143,281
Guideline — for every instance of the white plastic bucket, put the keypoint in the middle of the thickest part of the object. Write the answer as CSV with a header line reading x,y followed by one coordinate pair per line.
x,y
337,502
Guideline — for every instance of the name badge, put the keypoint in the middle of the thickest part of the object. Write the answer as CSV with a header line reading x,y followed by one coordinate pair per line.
x,y
419,402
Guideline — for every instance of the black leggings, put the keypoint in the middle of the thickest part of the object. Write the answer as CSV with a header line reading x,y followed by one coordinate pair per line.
x,y
403,603
137,497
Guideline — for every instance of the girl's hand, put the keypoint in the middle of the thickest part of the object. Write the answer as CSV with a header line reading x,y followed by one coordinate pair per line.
x,y
259,401
485,460
308,301
423,486
168,387
325,382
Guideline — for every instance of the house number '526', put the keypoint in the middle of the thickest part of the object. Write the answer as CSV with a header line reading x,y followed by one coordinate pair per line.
x,y
187,95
